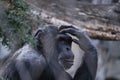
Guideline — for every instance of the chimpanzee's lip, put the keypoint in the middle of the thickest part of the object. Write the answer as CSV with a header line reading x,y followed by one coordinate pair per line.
x,y
69,61
65,59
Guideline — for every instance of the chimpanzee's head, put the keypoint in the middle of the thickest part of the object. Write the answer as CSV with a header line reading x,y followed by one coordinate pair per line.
x,y
63,41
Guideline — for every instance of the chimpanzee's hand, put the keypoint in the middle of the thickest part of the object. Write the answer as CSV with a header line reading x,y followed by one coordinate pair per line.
x,y
84,41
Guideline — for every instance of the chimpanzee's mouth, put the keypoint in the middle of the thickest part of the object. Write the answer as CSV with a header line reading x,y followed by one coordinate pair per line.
x,y
68,61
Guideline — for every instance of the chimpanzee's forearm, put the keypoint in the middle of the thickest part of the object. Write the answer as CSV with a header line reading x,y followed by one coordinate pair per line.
x,y
87,71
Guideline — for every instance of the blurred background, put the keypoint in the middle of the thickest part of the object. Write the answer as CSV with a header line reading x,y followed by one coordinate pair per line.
x,y
12,38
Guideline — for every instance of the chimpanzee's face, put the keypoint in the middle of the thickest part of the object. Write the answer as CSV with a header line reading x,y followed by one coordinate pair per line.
x,y
66,55
64,42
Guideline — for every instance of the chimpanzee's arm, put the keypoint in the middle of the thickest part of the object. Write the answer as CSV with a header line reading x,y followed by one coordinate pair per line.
x,y
22,70
87,71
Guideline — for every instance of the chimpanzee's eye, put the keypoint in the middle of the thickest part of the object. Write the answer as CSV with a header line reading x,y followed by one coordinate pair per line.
x,y
68,49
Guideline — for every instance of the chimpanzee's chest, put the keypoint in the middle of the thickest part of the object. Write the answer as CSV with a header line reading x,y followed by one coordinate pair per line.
x,y
47,74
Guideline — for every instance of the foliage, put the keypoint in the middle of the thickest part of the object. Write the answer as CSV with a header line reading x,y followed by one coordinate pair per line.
x,y
17,24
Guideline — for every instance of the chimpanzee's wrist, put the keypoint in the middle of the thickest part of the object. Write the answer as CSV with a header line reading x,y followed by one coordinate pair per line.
x,y
91,49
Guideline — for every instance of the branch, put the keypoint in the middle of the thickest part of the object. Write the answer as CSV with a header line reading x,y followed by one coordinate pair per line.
x,y
99,21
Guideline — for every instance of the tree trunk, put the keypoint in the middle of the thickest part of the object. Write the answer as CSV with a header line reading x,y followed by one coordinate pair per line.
x,y
99,21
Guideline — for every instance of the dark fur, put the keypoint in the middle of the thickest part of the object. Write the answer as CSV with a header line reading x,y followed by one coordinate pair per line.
x,y
47,53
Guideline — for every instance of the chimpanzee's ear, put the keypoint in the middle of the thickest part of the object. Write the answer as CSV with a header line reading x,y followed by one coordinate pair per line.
x,y
37,34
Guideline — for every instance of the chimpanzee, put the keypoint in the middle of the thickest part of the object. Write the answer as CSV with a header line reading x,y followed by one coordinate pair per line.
x,y
87,71
52,55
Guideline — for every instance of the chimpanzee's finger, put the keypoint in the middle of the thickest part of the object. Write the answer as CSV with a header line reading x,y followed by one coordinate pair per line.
x,y
65,26
69,30
73,31
61,36
75,41
64,36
